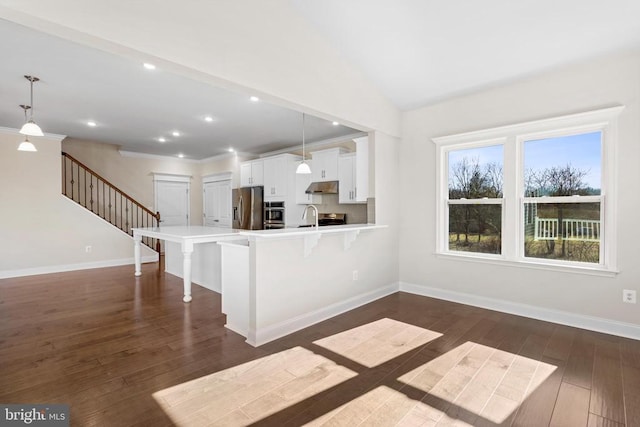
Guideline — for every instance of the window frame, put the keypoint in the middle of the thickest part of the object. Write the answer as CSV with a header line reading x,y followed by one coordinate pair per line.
x,y
483,201
513,138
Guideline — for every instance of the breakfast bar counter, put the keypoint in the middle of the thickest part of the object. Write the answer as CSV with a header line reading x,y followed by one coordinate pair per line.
x,y
187,237
274,282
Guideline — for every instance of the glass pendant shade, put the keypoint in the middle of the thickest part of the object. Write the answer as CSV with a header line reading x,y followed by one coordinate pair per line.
x,y
26,145
31,128
303,168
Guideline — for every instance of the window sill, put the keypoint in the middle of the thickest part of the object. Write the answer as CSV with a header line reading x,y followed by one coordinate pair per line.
x,y
588,270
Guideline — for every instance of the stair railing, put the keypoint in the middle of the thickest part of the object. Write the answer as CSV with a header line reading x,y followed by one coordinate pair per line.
x,y
97,194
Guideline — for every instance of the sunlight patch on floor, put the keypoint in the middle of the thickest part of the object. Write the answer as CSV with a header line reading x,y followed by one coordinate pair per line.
x,y
475,380
469,384
251,391
382,406
377,342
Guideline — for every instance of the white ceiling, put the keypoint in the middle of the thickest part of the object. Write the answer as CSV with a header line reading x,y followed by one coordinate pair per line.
x,y
133,106
416,52
422,51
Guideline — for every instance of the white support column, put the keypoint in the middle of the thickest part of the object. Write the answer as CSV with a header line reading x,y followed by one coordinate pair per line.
x,y
137,240
187,250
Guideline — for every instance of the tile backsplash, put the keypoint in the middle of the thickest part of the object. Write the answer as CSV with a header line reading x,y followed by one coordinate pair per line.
x,y
356,214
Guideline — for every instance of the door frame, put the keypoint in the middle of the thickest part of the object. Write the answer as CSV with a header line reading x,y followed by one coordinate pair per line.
x,y
215,177
164,177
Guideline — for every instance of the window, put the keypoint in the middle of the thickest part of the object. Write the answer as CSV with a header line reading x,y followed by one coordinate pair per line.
x,y
475,199
562,196
538,193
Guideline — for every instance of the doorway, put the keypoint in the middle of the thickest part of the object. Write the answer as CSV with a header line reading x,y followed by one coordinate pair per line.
x,y
217,201
172,199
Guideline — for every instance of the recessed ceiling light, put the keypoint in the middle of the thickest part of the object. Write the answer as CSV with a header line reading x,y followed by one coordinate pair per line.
x,y
254,99
91,123
230,149
181,155
149,66
162,139
175,133
335,123
208,119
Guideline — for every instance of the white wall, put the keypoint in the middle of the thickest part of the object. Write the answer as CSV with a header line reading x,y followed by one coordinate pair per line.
x,y
40,229
596,84
134,175
262,46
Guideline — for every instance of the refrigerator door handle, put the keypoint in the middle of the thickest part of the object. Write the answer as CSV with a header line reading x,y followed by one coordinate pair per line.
x,y
240,203
251,212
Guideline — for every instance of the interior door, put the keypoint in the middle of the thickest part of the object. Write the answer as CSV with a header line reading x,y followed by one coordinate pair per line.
x,y
217,204
173,202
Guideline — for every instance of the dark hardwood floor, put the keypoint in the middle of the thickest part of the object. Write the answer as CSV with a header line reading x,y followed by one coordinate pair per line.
x,y
126,351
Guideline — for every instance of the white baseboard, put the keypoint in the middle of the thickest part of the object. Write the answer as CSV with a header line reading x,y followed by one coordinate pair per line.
x,y
236,329
6,274
265,335
592,323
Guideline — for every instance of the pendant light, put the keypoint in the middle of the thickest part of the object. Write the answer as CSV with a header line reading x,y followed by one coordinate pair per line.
x,y
30,127
26,145
303,167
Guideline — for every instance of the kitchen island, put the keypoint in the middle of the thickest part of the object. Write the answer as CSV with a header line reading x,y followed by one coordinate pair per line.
x,y
275,282
186,237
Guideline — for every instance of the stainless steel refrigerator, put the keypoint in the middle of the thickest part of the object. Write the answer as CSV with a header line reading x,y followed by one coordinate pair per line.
x,y
248,208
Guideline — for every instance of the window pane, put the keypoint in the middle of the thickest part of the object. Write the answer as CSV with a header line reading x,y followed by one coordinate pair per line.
x,y
475,228
563,166
563,231
476,173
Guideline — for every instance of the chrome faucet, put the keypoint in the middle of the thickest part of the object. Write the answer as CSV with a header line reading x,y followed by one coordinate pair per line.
x,y
304,214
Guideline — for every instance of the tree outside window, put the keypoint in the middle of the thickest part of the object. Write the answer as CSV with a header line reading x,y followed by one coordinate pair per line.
x,y
475,199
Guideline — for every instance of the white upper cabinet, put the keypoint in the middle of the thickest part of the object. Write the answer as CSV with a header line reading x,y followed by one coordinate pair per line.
x,y
362,168
347,178
353,174
252,173
279,175
325,164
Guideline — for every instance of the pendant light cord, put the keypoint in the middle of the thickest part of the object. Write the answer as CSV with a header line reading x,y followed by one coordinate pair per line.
x,y
303,154
32,80
31,112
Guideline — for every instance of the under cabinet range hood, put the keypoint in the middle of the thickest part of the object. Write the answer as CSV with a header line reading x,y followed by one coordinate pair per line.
x,y
325,187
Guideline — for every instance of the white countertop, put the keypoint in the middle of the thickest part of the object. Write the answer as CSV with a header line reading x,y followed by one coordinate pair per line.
x,y
194,233
306,231
198,233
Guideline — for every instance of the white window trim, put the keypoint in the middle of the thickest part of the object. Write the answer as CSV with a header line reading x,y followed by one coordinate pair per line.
x,y
512,138
215,177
